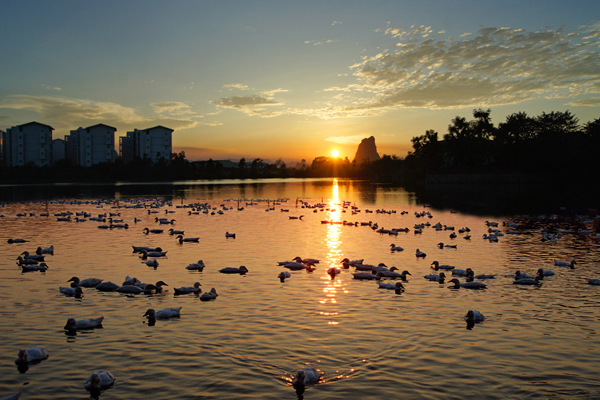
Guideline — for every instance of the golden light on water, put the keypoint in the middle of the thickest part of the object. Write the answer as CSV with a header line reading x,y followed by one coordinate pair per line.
x,y
333,285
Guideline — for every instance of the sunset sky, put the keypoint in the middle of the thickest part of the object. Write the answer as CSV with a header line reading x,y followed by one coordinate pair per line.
x,y
270,79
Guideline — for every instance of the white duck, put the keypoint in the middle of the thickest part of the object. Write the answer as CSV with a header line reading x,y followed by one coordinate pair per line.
x,y
166,313
89,282
231,270
188,289
71,291
305,376
32,355
100,380
199,266
209,295
283,275
391,286
466,285
91,323
571,264
436,277
473,316
437,266
393,247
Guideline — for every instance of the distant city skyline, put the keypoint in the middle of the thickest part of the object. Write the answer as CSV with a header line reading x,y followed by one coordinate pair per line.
x,y
297,80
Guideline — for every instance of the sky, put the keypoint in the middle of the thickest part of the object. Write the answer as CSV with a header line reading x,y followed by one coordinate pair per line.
x,y
294,79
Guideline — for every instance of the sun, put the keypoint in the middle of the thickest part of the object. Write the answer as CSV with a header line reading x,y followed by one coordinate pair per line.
x,y
335,153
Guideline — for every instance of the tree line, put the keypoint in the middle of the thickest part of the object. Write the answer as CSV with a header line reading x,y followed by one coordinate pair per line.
x,y
551,144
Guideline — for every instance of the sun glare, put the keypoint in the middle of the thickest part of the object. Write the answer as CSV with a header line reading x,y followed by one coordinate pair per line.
x,y
335,153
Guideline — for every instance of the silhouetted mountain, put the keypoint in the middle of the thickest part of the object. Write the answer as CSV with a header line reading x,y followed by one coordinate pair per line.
x,y
367,151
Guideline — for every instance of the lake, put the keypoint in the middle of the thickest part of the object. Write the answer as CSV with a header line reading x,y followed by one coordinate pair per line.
x,y
537,341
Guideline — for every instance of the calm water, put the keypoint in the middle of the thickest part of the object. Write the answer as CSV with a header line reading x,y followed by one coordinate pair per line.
x,y
536,342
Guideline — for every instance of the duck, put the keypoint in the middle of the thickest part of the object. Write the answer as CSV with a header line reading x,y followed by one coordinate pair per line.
x,y
209,295
369,267
450,246
88,283
437,266
333,271
391,273
571,264
593,281
31,355
462,272
99,380
293,265
419,253
152,263
473,316
173,232
188,289
435,277
521,275
156,231
545,272
130,289
107,287
139,249
154,254
311,261
163,314
283,275
230,235
36,257
154,288
466,285
47,250
71,291
84,324
484,276
26,261
188,240
393,247
528,281
346,262
199,266
366,275
42,267
306,376
231,270
391,286
16,240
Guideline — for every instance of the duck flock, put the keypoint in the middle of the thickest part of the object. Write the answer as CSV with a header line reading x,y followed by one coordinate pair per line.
x,y
37,260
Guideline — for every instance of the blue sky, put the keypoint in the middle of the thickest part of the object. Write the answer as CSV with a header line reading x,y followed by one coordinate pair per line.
x,y
296,80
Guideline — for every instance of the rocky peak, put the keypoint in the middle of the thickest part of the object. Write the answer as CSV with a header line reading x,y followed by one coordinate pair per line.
x,y
367,150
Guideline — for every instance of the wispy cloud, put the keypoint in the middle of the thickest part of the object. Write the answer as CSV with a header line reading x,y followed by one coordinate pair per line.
x,y
329,41
239,86
493,67
172,108
336,23
69,113
585,102
50,87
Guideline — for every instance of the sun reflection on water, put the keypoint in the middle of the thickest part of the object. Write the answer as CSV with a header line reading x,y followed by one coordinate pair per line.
x,y
333,285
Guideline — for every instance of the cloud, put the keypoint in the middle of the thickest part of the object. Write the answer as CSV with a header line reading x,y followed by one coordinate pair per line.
x,y
495,66
51,88
68,113
252,104
336,23
345,139
171,107
239,86
585,102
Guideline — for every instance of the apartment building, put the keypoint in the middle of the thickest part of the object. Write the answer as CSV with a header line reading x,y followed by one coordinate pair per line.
x,y
153,143
91,145
29,143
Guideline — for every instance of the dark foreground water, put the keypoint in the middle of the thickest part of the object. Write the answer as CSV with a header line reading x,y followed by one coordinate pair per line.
x,y
369,343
